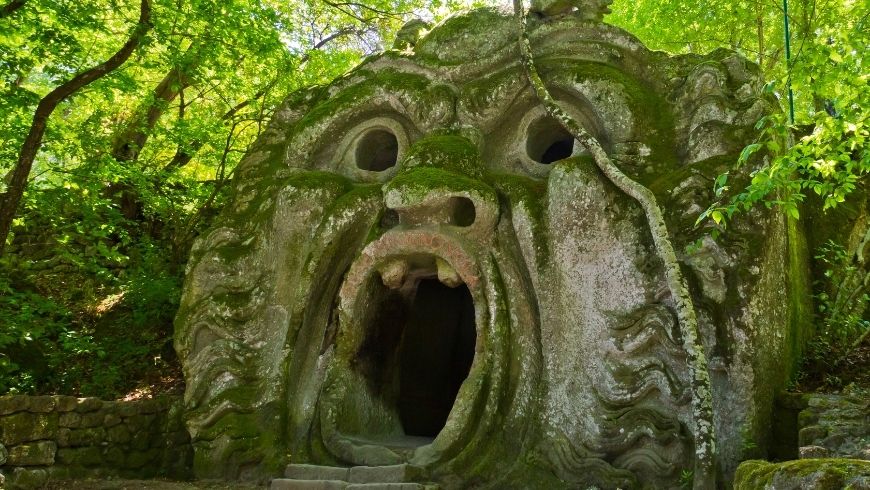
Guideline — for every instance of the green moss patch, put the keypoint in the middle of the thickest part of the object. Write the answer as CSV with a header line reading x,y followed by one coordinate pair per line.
x,y
817,474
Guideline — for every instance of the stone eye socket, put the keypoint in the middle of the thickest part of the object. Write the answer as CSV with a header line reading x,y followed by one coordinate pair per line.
x,y
377,150
548,142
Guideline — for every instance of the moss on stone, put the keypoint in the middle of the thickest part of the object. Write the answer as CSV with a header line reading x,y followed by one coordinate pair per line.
x,y
474,25
447,151
800,293
818,474
531,194
652,114
354,95
418,183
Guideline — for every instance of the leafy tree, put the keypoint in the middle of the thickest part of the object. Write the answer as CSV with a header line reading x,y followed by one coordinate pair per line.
x,y
47,105
828,75
134,164
806,164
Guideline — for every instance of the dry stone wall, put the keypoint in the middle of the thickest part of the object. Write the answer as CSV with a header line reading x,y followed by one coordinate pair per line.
x,y
835,426
46,438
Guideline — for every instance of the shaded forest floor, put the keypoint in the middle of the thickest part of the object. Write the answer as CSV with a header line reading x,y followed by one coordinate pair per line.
x,y
819,375
146,485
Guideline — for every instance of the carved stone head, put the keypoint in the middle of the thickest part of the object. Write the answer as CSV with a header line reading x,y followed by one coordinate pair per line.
x,y
418,265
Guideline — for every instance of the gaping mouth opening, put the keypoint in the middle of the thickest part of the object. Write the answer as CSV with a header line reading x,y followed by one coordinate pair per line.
x,y
418,345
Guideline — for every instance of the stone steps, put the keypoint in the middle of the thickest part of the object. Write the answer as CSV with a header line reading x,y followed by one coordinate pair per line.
x,y
314,477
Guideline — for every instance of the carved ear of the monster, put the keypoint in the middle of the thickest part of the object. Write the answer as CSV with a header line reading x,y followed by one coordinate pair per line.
x,y
587,9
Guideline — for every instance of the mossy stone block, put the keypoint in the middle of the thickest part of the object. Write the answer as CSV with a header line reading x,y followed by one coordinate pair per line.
x,y
23,427
27,478
86,437
13,403
35,454
81,456
65,403
42,404
118,434
89,405
806,474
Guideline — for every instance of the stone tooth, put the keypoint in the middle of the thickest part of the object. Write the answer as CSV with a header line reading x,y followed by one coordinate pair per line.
x,y
447,274
393,273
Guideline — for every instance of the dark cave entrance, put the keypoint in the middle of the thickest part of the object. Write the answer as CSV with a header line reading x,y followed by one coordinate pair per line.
x,y
435,355
417,352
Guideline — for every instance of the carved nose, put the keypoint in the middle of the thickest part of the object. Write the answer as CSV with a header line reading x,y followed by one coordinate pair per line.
x,y
440,184
435,197
439,210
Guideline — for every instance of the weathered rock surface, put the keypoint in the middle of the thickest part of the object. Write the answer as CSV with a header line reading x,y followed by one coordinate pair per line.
x,y
417,266
835,426
806,474
313,477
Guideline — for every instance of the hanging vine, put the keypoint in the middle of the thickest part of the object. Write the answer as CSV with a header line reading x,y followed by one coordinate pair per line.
x,y
702,409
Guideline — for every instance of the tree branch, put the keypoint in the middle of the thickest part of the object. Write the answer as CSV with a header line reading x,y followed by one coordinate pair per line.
x,y
183,156
10,200
702,407
132,138
11,7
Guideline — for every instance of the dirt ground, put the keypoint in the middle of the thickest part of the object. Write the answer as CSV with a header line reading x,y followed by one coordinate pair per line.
x,y
148,485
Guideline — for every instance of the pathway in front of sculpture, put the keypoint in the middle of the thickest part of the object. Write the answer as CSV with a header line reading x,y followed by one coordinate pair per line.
x,y
313,477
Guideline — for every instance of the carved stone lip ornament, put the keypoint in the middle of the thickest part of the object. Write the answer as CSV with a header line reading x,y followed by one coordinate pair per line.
x,y
417,265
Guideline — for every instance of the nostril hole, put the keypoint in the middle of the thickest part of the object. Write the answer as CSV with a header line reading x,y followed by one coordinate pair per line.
x,y
389,219
377,150
547,141
464,212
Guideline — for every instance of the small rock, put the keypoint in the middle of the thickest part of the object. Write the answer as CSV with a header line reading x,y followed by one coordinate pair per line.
x,y
28,478
813,452
89,404
65,403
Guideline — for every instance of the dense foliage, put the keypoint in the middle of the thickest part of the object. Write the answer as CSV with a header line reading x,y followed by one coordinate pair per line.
x,y
810,165
134,164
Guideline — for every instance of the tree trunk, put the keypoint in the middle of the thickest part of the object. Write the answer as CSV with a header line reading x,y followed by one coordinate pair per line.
x,y
759,32
11,7
30,147
130,140
702,407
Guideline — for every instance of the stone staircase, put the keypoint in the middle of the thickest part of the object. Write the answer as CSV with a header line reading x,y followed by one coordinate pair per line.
x,y
313,477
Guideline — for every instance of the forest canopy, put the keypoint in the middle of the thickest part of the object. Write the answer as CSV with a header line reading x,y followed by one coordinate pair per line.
x,y
148,106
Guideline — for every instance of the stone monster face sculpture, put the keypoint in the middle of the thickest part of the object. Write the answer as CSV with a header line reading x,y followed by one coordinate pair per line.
x,y
418,266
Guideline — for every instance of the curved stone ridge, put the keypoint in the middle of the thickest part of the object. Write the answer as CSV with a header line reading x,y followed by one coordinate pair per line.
x,y
482,276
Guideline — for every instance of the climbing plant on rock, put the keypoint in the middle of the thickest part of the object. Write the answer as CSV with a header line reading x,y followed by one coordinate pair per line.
x,y
702,408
